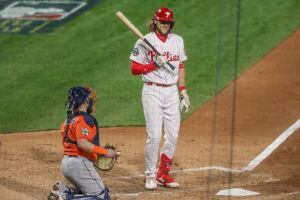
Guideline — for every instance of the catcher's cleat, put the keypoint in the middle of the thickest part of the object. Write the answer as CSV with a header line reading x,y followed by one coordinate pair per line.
x,y
53,196
60,187
150,183
56,186
58,191
167,181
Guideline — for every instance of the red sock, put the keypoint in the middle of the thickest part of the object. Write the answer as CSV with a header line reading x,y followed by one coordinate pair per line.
x,y
164,166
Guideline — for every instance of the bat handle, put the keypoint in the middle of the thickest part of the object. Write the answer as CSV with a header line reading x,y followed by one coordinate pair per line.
x,y
153,48
170,65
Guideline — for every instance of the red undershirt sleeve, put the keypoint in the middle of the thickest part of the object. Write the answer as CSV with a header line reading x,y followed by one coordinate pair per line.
x,y
137,68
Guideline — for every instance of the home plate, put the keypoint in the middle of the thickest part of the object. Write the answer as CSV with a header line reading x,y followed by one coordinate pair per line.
x,y
236,192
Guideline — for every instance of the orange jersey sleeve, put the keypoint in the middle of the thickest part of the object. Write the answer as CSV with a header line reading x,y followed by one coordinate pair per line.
x,y
83,130
78,129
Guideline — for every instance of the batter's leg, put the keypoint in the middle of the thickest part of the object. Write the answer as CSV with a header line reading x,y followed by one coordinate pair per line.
x,y
171,122
153,116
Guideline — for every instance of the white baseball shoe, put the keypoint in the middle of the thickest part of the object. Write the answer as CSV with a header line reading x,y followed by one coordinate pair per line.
x,y
167,181
150,183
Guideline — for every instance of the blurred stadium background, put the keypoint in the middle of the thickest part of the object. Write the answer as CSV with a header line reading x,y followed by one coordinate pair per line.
x,y
93,48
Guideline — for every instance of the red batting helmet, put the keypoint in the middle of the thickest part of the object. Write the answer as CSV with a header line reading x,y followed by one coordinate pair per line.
x,y
164,14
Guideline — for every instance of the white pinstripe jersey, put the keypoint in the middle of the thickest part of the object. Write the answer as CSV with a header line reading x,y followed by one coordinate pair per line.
x,y
172,49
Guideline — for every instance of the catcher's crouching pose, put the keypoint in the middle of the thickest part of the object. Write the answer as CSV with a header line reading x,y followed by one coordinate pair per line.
x,y
80,134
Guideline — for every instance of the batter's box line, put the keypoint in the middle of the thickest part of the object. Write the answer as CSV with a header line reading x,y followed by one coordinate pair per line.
x,y
278,141
217,168
254,163
141,193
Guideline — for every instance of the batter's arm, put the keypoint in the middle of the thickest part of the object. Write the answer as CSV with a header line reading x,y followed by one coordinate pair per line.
x,y
181,77
182,88
137,68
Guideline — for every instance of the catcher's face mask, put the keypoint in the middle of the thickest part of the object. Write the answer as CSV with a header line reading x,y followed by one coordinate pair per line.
x,y
80,95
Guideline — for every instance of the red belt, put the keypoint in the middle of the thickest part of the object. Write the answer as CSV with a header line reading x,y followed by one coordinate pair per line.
x,y
156,84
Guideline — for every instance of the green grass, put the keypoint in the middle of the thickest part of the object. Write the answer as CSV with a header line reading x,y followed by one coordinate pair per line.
x,y
93,49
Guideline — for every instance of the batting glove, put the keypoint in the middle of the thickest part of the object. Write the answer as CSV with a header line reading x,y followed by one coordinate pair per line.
x,y
160,61
184,102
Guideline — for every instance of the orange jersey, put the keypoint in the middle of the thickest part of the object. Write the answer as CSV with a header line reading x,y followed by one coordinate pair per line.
x,y
79,129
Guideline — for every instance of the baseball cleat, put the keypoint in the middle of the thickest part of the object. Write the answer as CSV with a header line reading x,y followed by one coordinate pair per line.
x,y
53,196
150,183
167,181
58,190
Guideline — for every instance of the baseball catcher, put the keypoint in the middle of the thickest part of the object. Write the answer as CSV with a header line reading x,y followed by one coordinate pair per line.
x,y
80,138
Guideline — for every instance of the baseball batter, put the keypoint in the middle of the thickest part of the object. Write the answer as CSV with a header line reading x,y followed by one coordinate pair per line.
x,y
160,96
80,135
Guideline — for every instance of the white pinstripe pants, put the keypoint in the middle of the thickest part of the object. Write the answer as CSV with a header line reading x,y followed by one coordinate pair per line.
x,y
161,109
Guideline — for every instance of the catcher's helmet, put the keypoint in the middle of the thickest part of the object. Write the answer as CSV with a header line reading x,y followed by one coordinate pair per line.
x,y
78,95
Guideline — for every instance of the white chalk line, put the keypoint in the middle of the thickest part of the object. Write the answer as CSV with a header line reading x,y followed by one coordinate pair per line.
x,y
152,193
128,194
279,140
254,163
217,168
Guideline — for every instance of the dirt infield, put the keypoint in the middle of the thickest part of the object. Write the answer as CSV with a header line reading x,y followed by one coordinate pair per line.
x,y
267,104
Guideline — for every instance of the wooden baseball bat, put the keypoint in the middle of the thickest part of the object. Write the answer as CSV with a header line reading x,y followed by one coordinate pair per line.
x,y
133,29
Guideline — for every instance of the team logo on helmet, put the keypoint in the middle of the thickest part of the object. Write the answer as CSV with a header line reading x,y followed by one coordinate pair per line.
x,y
168,14
84,131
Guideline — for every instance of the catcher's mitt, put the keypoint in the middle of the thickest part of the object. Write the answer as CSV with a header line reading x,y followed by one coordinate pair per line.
x,y
105,163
